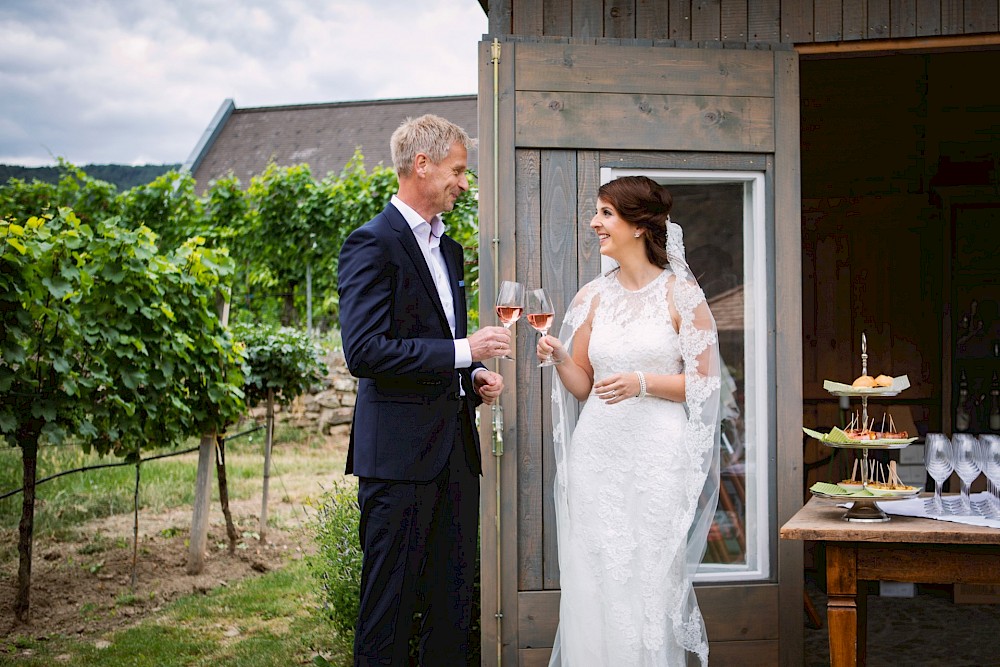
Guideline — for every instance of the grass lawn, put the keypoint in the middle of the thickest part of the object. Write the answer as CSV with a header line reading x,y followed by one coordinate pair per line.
x,y
269,619
265,621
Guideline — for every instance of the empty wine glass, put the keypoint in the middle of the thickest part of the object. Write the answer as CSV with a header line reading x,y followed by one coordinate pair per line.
x,y
938,461
963,446
540,314
510,304
989,446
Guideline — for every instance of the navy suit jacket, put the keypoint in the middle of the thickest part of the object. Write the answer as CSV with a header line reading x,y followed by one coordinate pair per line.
x,y
398,344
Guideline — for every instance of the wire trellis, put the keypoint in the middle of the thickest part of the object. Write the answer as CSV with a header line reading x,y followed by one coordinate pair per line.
x,y
120,464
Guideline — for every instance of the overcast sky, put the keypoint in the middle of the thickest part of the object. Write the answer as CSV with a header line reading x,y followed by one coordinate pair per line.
x,y
138,81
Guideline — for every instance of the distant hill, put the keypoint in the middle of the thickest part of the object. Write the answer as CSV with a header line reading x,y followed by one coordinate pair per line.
x,y
122,176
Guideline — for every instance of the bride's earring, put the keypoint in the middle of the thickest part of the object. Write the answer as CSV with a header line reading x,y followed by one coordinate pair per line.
x,y
637,234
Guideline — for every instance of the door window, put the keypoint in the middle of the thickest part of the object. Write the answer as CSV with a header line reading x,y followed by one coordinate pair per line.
x,y
723,218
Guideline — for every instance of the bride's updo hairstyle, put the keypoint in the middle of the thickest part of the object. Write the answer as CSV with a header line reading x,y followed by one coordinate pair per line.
x,y
646,204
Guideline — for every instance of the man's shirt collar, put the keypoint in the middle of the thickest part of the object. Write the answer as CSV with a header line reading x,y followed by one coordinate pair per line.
x,y
414,219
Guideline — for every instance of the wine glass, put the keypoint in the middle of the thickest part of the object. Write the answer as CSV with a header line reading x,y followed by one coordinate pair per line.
x,y
989,446
510,304
938,461
540,316
963,447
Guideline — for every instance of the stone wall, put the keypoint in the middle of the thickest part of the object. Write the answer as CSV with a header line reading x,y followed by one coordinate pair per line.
x,y
328,409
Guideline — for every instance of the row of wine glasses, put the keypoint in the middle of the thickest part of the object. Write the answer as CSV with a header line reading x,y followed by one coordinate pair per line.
x,y
513,300
968,456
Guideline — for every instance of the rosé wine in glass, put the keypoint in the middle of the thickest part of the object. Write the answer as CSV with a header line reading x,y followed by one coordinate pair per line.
x,y
509,314
510,304
540,316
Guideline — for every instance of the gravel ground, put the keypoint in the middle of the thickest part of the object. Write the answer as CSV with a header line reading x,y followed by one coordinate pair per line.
x,y
927,629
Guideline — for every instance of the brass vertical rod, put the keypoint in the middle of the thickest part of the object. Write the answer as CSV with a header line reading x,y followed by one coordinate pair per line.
x,y
497,409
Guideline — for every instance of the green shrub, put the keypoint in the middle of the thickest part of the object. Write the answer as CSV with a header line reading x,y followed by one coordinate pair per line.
x,y
337,561
337,566
283,360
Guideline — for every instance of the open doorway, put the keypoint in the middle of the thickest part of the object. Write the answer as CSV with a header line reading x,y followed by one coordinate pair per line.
x,y
901,211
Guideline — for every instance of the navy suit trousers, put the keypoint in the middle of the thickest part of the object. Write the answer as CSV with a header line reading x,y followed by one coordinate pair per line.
x,y
419,542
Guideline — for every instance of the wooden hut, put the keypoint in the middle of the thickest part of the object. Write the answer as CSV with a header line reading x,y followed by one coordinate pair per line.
x,y
833,164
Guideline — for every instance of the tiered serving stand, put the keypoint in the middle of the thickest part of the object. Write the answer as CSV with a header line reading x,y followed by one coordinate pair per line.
x,y
864,508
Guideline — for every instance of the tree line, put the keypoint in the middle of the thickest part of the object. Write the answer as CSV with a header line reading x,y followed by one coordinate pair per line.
x,y
122,176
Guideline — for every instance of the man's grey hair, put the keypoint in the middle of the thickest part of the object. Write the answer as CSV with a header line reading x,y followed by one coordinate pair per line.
x,y
428,134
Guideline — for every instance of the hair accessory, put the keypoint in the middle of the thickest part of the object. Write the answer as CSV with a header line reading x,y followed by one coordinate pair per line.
x,y
675,249
642,384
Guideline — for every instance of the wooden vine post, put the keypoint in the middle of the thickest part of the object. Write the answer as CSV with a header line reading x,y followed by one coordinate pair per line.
x,y
202,494
203,482
268,439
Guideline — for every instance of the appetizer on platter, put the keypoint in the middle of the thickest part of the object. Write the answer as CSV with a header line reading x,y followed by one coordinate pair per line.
x,y
869,382
854,432
880,484
877,385
852,484
860,439
891,484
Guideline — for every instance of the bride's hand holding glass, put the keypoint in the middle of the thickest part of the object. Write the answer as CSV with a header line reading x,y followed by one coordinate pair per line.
x,y
551,348
540,316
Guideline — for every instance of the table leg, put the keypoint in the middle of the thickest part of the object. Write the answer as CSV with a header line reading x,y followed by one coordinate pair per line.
x,y
846,607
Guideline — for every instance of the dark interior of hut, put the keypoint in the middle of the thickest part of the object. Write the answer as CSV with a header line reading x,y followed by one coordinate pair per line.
x,y
900,231
900,235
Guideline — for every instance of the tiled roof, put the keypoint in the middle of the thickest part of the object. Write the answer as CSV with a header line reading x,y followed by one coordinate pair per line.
x,y
324,136
727,308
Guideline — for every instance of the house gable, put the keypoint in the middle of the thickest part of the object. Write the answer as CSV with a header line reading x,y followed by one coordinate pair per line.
x,y
324,136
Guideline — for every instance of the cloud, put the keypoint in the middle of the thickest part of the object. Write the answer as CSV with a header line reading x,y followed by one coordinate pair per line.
x,y
116,81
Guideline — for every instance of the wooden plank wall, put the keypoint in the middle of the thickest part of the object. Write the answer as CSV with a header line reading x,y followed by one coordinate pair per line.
x,y
530,471
556,192
553,254
858,282
578,107
580,95
752,613
788,21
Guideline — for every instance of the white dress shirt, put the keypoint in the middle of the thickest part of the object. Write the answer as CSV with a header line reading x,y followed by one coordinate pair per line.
x,y
428,236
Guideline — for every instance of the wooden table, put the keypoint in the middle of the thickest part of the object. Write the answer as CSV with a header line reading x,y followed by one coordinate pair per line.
x,y
903,549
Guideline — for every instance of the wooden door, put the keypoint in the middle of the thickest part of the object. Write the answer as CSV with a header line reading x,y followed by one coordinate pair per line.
x,y
553,115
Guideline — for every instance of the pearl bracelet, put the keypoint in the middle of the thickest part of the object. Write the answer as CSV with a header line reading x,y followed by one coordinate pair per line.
x,y
642,384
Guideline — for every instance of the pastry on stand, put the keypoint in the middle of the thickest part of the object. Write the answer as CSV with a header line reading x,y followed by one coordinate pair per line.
x,y
872,485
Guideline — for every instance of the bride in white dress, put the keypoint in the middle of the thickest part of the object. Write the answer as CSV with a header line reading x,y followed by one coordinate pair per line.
x,y
637,473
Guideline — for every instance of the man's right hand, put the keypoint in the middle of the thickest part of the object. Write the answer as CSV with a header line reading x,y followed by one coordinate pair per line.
x,y
489,342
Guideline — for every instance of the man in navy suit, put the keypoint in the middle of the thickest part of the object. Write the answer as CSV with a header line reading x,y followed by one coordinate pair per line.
x,y
414,446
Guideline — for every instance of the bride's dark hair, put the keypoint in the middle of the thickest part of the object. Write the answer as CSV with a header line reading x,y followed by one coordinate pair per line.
x,y
646,204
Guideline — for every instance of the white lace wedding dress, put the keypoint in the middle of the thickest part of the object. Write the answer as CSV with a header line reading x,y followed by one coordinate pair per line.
x,y
624,497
